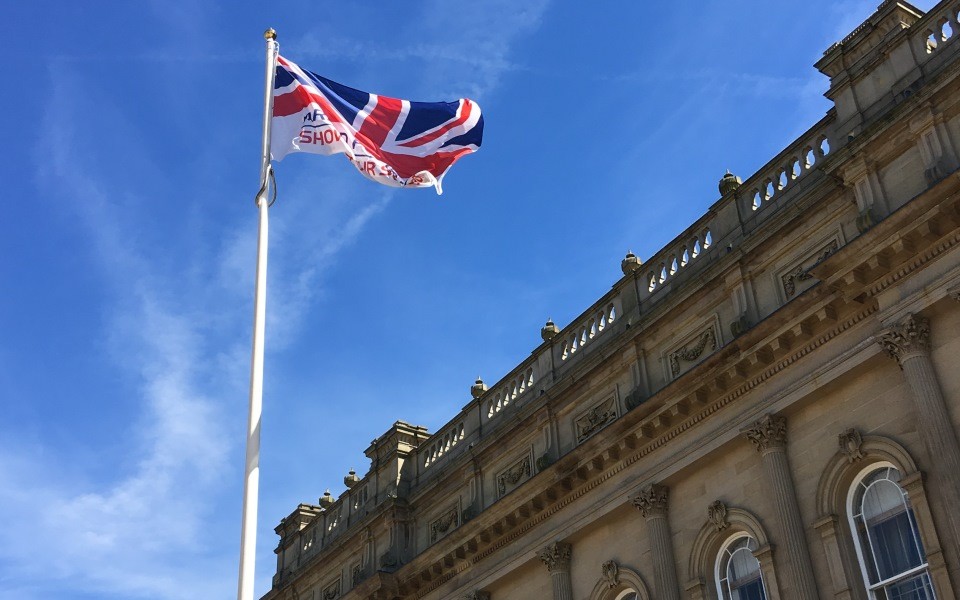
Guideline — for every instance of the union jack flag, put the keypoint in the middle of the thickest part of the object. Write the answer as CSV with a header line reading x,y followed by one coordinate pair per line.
x,y
395,142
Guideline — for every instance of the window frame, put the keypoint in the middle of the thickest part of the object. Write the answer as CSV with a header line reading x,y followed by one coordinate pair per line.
x,y
718,580
852,513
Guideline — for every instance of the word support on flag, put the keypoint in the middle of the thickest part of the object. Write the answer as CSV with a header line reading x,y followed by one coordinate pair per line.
x,y
395,142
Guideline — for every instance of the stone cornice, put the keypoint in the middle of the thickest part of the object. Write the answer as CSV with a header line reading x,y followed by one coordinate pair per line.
x,y
597,461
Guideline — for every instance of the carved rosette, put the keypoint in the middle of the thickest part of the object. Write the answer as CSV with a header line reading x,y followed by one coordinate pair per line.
x,y
769,433
652,501
908,337
611,573
717,514
556,556
851,443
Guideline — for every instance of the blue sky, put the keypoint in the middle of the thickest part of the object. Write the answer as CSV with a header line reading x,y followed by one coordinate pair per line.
x,y
128,243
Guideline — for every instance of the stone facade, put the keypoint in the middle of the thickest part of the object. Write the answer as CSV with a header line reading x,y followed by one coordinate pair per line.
x,y
737,387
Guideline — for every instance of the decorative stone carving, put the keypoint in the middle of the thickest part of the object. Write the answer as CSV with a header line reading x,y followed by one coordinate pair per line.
x,y
476,595
549,331
388,560
954,293
514,475
802,273
449,521
693,350
351,479
630,263
356,574
729,183
543,461
768,433
611,573
478,388
596,418
634,399
717,514
910,336
739,326
556,556
326,500
851,443
332,591
652,501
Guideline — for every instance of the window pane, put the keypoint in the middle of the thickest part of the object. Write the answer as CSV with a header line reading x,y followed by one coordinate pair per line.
x,y
743,575
916,588
893,546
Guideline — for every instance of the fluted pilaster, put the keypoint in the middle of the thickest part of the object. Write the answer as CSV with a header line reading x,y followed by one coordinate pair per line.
x,y
909,342
769,436
653,503
557,558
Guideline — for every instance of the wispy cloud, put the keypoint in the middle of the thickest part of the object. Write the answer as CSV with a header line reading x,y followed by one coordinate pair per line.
x,y
177,324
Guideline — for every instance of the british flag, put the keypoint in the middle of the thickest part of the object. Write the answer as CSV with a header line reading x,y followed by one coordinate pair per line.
x,y
391,141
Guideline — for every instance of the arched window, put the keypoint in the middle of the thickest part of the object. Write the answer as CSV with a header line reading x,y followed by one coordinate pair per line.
x,y
628,595
888,542
738,571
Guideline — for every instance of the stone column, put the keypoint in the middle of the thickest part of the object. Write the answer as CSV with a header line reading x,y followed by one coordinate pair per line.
x,y
769,435
652,502
557,558
909,342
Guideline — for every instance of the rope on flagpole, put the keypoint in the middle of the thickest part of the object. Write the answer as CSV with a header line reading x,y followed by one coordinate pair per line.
x,y
263,188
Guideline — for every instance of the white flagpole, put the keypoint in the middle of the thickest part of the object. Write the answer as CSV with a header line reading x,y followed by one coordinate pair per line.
x,y
251,483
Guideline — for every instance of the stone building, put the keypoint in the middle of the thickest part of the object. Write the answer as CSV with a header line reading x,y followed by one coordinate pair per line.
x,y
768,407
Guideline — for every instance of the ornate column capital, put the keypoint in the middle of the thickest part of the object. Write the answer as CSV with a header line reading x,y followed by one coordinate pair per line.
x,y
556,556
910,336
769,433
652,501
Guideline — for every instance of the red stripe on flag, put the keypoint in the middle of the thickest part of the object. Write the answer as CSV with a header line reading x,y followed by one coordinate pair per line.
x,y
301,97
381,120
427,138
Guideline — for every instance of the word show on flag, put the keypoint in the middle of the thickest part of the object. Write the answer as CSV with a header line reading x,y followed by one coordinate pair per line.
x,y
399,143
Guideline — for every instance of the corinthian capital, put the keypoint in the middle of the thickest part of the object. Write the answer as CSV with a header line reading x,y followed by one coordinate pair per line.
x,y
910,336
768,433
556,556
652,501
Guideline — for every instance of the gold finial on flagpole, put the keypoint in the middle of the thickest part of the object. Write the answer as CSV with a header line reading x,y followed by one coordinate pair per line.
x,y
270,34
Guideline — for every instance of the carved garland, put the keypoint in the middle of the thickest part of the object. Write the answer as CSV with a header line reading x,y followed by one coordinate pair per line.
x,y
595,419
802,273
332,591
690,353
449,521
513,475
